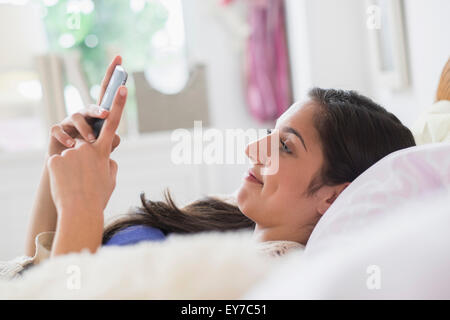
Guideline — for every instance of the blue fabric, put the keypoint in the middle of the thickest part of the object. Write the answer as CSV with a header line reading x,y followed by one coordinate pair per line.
x,y
135,234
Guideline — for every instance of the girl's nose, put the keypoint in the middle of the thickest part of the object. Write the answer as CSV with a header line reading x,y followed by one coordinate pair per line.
x,y
259,151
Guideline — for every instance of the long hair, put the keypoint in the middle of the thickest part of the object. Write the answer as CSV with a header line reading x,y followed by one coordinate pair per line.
x,y
355,133
206,214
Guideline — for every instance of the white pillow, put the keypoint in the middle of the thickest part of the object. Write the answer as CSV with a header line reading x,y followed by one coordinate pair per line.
x,y
433,125
398,178
392,259
388,228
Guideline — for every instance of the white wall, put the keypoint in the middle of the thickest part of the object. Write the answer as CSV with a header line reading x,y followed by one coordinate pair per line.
x,y
329,47
427,26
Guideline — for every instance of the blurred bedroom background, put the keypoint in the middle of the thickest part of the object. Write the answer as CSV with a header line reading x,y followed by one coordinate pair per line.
x,y
228,63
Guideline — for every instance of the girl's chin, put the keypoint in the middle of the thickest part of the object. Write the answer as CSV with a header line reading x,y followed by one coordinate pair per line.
x,y
242,194
244,199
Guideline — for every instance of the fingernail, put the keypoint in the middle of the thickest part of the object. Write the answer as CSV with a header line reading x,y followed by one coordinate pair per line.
x,y
70,143
101,110
123,91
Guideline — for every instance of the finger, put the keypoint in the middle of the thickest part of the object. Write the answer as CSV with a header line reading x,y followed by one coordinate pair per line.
x,y
117,60
78,121
59,134
108,131
94,111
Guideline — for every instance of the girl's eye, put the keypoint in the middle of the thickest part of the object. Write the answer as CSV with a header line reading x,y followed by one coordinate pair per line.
x,y
284,147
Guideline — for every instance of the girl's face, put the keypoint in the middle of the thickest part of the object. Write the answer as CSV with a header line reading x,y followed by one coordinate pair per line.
x,y
278,205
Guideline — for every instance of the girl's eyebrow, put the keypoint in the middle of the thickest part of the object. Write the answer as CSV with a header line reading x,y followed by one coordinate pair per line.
x,y
292,130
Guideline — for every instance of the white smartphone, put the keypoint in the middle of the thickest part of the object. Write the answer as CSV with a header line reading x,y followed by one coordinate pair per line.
x,y
118,78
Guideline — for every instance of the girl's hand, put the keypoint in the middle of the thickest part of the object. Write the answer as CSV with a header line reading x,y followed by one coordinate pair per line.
x,y
83,178
63,134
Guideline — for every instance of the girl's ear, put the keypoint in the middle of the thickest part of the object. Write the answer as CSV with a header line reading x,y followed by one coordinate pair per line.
x,y
327,195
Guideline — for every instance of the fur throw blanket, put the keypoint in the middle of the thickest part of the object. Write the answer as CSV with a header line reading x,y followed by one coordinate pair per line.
x,y
201,266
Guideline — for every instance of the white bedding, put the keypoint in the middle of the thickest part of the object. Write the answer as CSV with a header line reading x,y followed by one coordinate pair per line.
x,y
404,257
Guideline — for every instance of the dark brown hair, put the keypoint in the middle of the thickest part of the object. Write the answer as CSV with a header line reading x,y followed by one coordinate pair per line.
x,y
206,214
355,133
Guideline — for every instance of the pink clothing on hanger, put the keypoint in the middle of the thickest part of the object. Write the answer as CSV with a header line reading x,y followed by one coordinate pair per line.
x,y
268,91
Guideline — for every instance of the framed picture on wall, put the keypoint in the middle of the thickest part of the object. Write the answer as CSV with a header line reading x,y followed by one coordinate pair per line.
x,y
387,35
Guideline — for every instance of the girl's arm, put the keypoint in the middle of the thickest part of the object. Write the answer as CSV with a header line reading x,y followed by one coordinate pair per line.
x,y
44,214
68,237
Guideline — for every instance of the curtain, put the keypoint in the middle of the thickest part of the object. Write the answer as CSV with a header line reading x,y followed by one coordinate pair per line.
x,y
268,88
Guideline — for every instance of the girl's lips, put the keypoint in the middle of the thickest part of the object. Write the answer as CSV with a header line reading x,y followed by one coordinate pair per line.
x,y
251,177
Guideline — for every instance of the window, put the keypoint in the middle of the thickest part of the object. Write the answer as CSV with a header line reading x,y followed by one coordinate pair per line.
x,y
148,34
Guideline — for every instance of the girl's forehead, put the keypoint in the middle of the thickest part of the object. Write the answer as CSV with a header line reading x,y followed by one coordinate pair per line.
x,y
300,117
294,111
